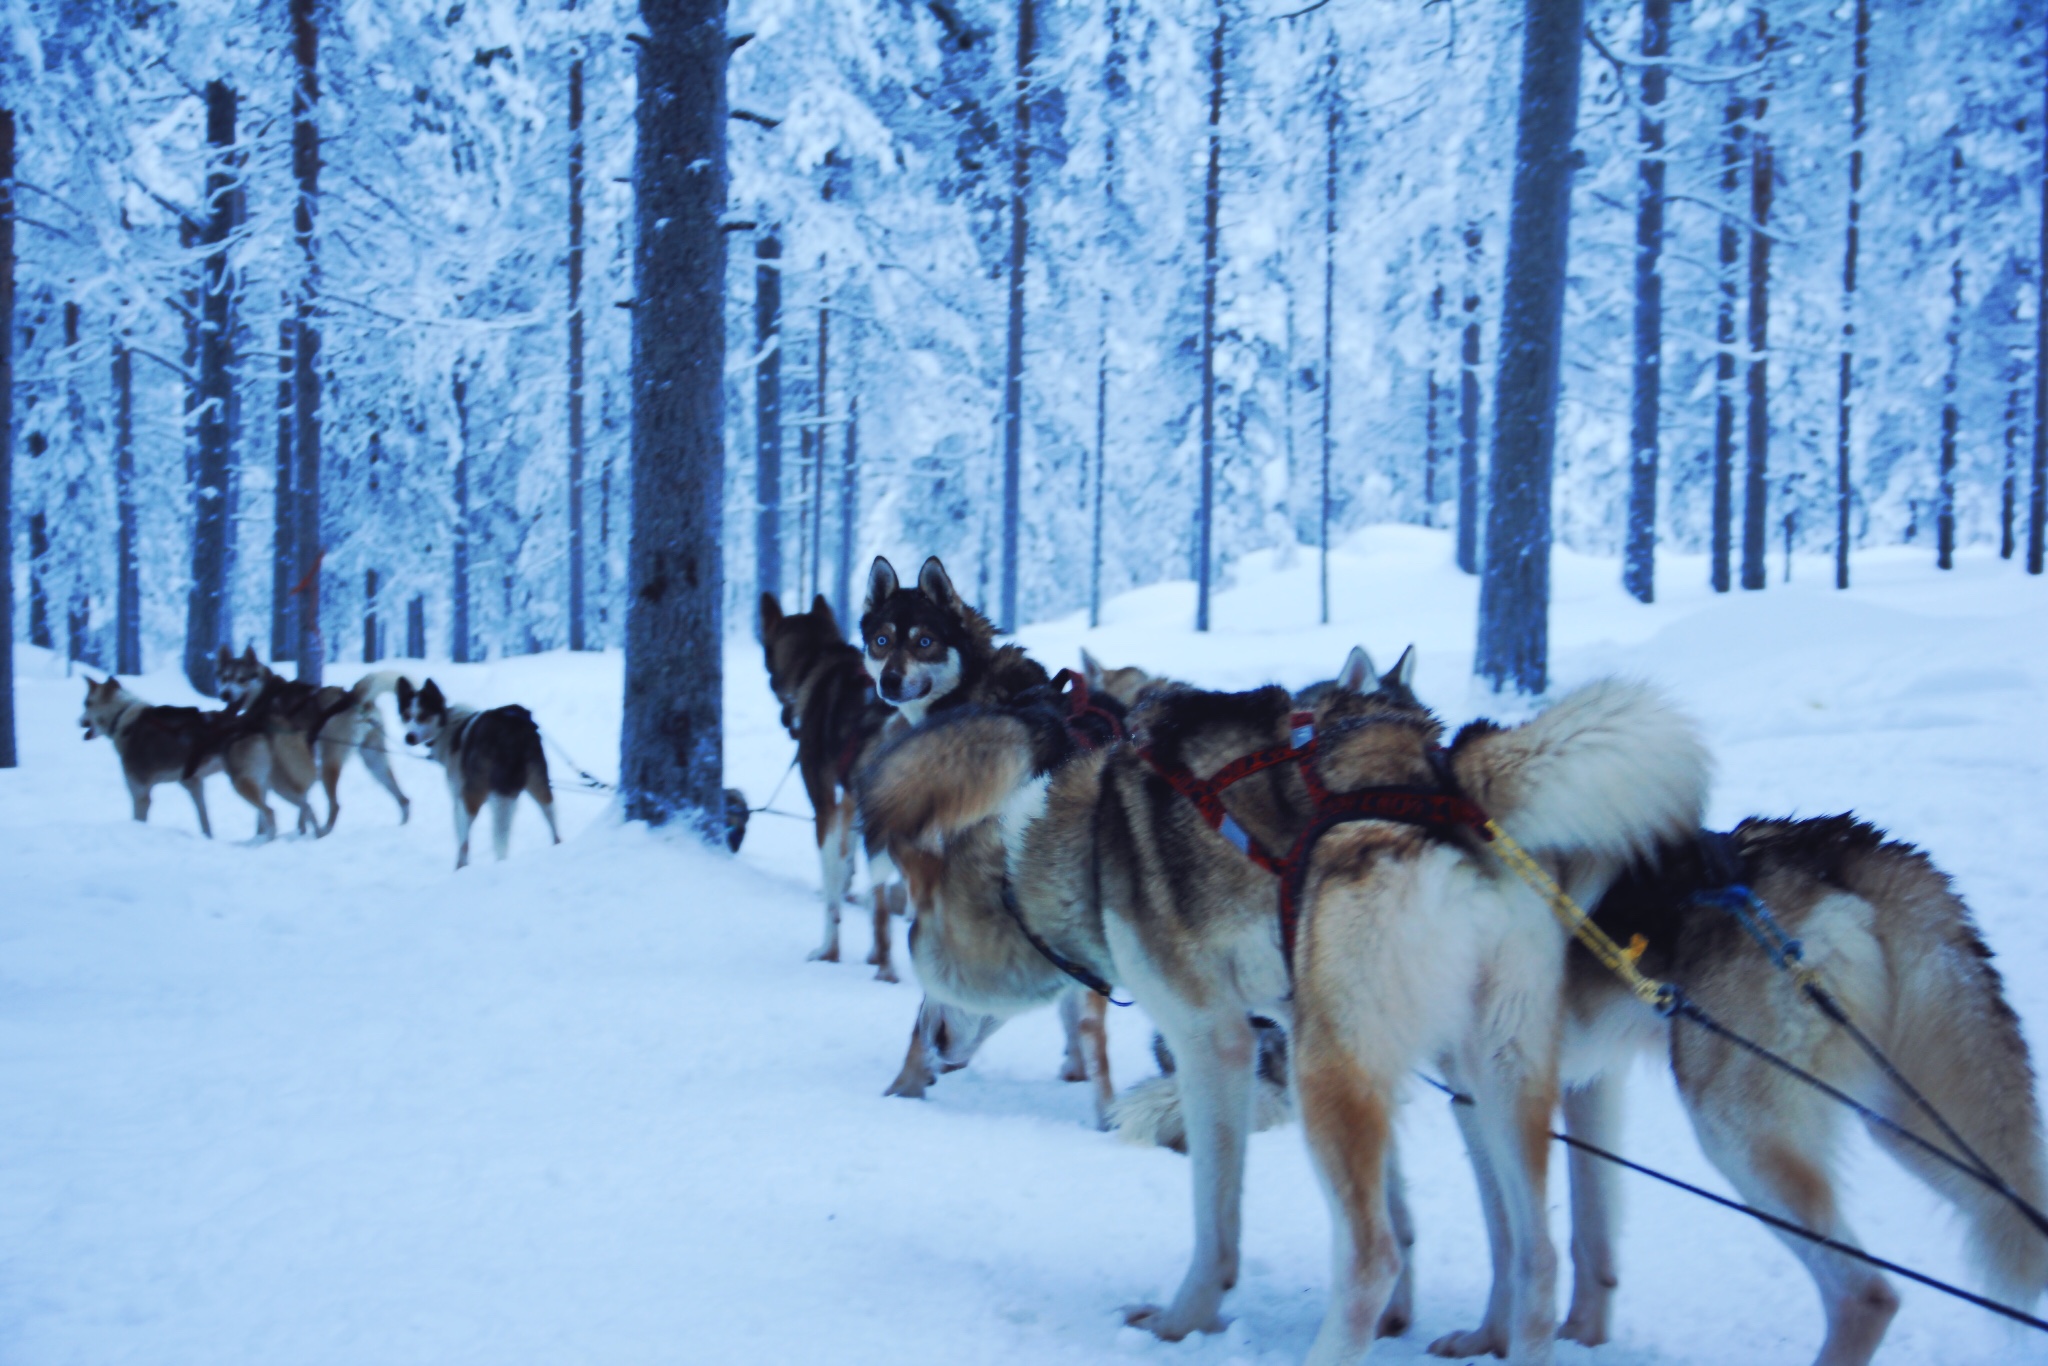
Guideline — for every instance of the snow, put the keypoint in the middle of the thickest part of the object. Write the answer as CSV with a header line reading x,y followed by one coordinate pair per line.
x,y
331,1101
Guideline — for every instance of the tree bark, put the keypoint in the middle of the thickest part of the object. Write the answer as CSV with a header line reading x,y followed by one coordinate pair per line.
x,y
461,637
1951,419
2008,487
1755,485
7,754
576,550
372,650
1333,123
821,446
311,649
1212,201
1640,556
1013,364
284,622
1514,587
768,415
1733,137
2037,498
849,510
671,760
205,631
1846,382
1468,413
128,578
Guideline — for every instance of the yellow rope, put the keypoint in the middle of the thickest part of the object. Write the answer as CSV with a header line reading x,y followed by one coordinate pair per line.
x,y
1616,959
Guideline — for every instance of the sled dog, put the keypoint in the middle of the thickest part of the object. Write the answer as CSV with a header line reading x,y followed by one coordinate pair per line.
x,y
1897,948
958,877
830,707
337,722
1414,944
1894,944
184,745
488,755
928,651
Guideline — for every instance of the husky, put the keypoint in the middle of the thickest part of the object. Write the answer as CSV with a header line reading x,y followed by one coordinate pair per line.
x,y
830,707
185,745
928,651
1414,944
488,755
337,722
1897,949
960,882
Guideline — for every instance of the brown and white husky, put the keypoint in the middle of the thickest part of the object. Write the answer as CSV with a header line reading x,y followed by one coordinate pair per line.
x,y
489,756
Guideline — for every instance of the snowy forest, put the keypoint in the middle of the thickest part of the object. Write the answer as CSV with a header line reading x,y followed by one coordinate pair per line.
x,y
322,309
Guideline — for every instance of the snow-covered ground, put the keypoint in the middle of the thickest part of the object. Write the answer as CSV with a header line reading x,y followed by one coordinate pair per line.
x,y
331,1101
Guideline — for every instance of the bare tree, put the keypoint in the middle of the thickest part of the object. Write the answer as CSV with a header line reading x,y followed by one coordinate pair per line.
x,y
128,577
284,623
1640,555
1013,364
310,650
1951,417
205,628
1846,383
1468,411
7,755
576,451
671,749
1733,137
1514,586
1212,201
768,414
1333,125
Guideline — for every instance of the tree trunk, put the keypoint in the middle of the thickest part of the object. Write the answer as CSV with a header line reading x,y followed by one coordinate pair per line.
x,y
204,628
2037,499
1333,123
821,446
311,650
849,510
461,638
1212,202
1013,364
128,580
1468,412
7,755
1101,452
1951,420
416,627
576,579
1733,137
1755,488
671,761
1432,418
372,650
1640,557
284,622
1514,588
2009,486
768,415
38,586
1846,381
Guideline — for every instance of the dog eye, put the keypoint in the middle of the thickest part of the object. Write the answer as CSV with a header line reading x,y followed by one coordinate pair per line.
x,y
881,642
924,642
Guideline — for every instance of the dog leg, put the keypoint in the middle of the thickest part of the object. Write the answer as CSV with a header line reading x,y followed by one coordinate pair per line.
x,y
1074,1065
197,787
333,754
139,795
1085,1018
466,808
1515,1107
1346,1115
1215,1058
251,791
377,759
1592,1113
885,968
501,823
1781,1164
916,1074
1490,1338
835,871
543,796
1400,1310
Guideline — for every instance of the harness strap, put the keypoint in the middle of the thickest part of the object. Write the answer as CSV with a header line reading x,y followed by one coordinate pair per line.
x,y
1084,717
1077,971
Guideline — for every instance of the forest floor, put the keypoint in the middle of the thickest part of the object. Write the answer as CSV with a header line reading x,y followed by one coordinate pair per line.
x,y
333,1102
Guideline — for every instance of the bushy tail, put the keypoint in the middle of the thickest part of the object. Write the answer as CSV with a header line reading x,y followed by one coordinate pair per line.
x,y
372,686
1952,1035
943,777
1610,770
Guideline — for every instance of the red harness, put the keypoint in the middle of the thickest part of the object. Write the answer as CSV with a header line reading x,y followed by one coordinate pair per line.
x,y
1088,725
1407,805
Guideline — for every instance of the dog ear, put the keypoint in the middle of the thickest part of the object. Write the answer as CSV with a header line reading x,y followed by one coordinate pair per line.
x,y
1091,671
933,583
221,656
881,583
431,700
404,691
771,614
822,610
1357,675
250,654
1403,673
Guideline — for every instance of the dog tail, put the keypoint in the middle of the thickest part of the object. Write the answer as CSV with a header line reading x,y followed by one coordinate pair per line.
x,y
1149,1113
372,686
1611,769
943,776
1952,1034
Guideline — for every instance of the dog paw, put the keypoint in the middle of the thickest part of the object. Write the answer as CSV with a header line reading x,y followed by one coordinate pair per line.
x,y
1395,1320
830,955
1482,1341
1587,1329
885,973
1162,1324
908,1087
1074,1071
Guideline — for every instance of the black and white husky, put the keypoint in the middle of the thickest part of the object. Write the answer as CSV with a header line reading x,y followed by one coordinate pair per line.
x,y
489,756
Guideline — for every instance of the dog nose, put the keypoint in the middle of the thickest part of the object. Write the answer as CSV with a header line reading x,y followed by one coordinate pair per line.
x,y
892,687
